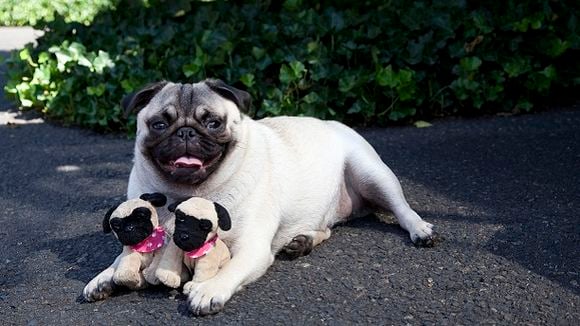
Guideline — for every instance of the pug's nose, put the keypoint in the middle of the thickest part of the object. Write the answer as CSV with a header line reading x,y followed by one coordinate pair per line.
x,y
184,236
186,133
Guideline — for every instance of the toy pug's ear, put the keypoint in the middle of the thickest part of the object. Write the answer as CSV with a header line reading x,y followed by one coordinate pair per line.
x,y
224,221
172,207
136,101
156,199
240,98
106,225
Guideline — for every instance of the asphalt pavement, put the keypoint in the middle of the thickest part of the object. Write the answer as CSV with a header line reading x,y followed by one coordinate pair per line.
x,y
503,191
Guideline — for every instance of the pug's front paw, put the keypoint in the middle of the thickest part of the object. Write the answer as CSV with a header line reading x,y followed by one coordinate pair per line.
x,y
100,287
208,297
187,287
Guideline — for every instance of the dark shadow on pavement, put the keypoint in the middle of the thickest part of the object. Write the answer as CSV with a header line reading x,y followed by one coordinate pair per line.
x,y
88,254
524,176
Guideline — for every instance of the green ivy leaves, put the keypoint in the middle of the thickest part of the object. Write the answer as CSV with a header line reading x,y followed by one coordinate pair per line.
x,y
292,72
72,54
361,62
55,88
39,12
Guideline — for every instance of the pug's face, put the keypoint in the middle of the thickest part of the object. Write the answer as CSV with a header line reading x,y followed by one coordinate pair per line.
x,y
186,130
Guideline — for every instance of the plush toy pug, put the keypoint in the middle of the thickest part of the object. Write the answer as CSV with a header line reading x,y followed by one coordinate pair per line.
x,y
196,233
135,224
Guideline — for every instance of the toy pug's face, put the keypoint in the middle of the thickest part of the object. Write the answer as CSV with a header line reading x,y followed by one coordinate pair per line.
x,y
197,221
134,228
191,232
134,220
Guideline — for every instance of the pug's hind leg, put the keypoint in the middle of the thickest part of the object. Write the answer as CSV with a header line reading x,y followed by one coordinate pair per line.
x,y
302,244
377,184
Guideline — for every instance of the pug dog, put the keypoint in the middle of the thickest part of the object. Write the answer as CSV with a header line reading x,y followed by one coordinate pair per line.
x,y
285,181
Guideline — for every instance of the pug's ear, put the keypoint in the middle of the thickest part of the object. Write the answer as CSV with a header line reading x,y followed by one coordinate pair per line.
x,y
240,98
156,199
106,225
138,100
224,221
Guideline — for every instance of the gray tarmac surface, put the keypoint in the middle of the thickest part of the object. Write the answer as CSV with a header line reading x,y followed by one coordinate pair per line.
x,y
504,191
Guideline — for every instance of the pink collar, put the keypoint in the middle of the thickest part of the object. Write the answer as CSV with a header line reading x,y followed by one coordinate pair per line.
x,y
153,242
204,249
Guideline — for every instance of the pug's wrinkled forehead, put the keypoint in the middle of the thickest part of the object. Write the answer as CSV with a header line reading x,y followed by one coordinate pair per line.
x,y
191,103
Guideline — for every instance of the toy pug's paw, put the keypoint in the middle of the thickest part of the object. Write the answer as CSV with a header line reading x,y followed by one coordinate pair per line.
x,y
208,297
100,287
423,235
149,276
301,245
169,278
130,279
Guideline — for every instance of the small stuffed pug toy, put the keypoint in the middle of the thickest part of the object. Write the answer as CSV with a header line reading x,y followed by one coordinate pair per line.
x,y
196,233
136,225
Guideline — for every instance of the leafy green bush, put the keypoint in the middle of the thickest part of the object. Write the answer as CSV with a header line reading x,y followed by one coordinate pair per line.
x,y
38,12
365,62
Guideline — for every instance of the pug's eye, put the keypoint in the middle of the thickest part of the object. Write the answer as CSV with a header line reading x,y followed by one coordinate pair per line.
x,y
213,124
159,125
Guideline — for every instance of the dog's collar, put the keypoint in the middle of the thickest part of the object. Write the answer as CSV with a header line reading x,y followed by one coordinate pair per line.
x,y
204,249
153,242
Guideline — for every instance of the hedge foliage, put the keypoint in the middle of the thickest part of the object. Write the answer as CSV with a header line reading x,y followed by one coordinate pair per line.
x,y
365,62
38,12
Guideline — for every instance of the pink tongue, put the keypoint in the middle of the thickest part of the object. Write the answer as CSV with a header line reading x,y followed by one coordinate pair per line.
x,y
188,162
